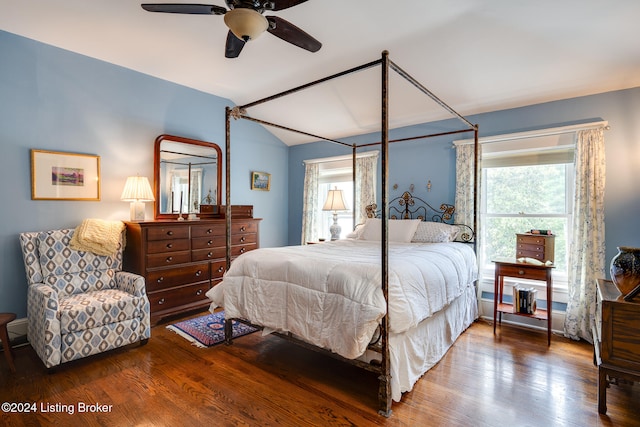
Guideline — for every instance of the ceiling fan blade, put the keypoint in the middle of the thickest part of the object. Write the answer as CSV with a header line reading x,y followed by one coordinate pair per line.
x,y
290,33
285,4
234,46
193,9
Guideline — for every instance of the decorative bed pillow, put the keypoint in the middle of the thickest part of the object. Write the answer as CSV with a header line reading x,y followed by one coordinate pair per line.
x,y
399,230
435,232
355,234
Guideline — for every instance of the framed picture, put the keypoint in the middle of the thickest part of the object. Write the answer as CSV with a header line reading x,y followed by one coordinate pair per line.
x,y
64,176
260,181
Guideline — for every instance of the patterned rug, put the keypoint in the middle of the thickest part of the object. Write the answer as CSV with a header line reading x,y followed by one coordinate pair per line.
x,y
207,331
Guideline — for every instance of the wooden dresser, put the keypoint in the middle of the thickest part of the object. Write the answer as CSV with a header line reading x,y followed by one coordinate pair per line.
x,y
616,339
182,260
537,246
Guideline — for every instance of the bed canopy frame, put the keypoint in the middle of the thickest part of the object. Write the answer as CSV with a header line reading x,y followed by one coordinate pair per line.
x,y
240,112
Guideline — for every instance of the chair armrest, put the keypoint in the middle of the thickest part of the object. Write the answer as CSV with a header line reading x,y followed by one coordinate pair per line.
x,y
43,327
131,282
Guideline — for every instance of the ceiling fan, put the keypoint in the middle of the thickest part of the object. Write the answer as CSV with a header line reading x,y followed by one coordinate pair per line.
x,y
246,22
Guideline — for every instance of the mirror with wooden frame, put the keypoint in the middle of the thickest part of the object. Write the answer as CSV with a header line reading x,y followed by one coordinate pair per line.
x,y
187,177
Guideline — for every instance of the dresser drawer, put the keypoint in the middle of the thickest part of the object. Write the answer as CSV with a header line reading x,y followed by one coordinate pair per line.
x,y
531,240
217,269
530,254
209,242
209,254
241,239
243,227
168,232
168,277
175,297
208,230
174,245
240,249
530,248
166,259
524,272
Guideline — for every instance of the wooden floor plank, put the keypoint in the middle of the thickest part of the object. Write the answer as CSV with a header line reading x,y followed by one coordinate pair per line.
x,y
512,378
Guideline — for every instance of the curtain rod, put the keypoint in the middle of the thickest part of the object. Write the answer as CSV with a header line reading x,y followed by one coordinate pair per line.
x,y
536,133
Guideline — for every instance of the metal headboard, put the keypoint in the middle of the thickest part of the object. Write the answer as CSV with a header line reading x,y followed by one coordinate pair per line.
x,y
407,206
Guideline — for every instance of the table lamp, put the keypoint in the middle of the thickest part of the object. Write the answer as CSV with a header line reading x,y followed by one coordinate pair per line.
x,y
137,191
335,202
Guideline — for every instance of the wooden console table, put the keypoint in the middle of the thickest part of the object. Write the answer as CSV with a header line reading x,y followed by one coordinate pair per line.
x,y
616,339
511,267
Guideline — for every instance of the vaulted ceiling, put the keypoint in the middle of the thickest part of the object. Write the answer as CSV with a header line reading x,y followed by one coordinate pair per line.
x,y
476,55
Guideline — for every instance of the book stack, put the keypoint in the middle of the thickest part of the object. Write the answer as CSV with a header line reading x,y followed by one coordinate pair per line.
x,y
524,300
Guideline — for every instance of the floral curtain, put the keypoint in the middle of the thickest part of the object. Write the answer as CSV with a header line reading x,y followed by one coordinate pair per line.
x,y
465,189
310,208
366,168
587,253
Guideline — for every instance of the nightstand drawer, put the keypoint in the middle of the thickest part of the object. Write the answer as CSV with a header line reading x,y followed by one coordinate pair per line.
x,y
523,272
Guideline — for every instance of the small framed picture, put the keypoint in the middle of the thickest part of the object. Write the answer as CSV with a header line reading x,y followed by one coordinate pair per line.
x,y
260,181
64,176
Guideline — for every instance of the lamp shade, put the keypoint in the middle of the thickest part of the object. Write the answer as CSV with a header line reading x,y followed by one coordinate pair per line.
x,y
335,201
245,24
137,189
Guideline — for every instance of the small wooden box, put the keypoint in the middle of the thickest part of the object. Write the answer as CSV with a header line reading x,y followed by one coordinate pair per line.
x,y
208,209
538,246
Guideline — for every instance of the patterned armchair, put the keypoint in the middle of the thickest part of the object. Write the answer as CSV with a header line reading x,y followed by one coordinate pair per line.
x,y
80,303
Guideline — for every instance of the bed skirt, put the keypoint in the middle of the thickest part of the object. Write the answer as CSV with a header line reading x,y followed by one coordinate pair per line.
x,y
417,350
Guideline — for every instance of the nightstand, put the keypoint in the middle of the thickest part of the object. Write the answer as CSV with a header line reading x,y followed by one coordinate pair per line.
x,y
511,267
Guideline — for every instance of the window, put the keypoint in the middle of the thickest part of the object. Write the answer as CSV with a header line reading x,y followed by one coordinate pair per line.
x,y
329,172
526,185
336,174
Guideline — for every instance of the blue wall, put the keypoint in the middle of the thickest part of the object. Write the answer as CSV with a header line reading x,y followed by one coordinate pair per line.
x,y
56,100
52,99
419,161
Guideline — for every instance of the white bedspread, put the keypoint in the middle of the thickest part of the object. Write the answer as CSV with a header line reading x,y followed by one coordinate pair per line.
x,y
330,295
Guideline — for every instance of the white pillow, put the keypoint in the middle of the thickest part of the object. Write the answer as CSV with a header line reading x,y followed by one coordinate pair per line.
x,y
355,234
399,230
435,232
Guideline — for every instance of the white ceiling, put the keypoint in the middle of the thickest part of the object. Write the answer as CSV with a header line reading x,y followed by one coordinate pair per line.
x,y
476,55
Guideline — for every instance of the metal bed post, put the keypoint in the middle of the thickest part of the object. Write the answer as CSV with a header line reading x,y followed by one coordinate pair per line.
x,y
228,323
384,391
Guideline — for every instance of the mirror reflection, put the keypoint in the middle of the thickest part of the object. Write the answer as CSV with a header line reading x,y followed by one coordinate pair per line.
x,y
188,176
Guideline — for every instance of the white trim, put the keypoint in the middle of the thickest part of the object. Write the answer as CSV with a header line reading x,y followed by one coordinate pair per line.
x,y
535,133
373,153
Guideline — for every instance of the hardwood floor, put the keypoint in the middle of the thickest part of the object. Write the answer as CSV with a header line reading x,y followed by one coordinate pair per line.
x,y
512,379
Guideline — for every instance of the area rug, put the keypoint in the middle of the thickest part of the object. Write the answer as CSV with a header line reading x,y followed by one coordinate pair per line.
x,y
207,331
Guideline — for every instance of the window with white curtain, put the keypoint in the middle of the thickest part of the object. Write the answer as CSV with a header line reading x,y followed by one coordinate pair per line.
x,y
526,184
337,172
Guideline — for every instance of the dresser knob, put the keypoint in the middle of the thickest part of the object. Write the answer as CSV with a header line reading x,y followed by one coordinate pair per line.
x,y
242,239
521,272
199,292
242,228
210,255
242,249
160,279
169,258
170,233
210,242
220,269
209,231
169,245
198,273
161,301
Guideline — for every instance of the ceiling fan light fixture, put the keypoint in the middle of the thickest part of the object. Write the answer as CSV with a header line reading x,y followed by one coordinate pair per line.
x,y
246,24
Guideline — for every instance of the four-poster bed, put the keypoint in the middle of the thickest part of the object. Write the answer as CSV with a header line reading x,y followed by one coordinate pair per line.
x,y
399,316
